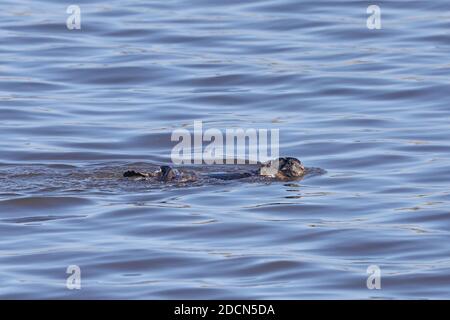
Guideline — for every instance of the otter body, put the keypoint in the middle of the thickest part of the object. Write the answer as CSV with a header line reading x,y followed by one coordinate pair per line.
x,y
282,169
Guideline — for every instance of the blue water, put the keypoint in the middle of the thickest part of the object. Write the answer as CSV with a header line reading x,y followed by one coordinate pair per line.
x,y
78,107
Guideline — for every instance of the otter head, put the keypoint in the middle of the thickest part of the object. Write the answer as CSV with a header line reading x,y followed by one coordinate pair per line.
x,y
291,168
283,168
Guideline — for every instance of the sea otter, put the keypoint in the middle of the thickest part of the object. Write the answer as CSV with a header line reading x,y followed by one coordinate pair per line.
x,y
282,169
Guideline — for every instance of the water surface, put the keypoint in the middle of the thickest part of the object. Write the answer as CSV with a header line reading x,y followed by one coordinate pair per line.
x,y
78,107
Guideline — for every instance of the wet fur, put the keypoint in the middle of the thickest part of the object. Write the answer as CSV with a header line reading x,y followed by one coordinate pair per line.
x,y
283,169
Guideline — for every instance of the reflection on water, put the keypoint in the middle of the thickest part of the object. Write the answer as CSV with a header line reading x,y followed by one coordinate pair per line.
x,y
369,106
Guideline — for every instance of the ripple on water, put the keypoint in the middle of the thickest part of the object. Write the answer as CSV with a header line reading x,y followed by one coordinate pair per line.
x,y
78,108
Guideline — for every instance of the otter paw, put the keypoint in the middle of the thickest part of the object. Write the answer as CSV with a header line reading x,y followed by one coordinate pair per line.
x,y
132,173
